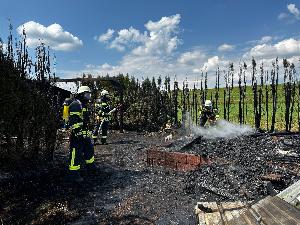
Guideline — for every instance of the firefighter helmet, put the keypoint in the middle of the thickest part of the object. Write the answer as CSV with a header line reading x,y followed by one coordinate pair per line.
x,y
208,103
104,92
83,89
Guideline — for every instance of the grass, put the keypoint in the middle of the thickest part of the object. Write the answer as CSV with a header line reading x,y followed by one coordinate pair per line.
x,y
249,117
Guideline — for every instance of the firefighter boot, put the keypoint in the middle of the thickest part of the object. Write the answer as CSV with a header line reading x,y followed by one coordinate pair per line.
x,y
91,168
103,141
95,141
75,177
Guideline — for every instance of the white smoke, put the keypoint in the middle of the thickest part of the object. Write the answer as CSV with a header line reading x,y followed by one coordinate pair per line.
x,y
223,129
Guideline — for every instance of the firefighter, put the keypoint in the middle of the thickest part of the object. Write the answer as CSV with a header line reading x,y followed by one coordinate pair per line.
x,y
103,113
97,120
81,146
208,114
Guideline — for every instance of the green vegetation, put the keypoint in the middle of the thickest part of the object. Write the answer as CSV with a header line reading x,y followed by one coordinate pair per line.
x,y
29,115
249,114
265,104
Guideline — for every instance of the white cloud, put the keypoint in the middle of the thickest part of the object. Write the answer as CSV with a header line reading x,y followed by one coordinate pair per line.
x,y
266,39
53,36
90,68
161,39
192,57
226,47
158,39
128,37
106,37
292,15
285,48
197,70
165,24
263,40
293,10
213,63
154,52
282,16
106,66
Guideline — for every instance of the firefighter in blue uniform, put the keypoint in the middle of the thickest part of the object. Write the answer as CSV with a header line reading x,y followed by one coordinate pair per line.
x,y
78,123
103,113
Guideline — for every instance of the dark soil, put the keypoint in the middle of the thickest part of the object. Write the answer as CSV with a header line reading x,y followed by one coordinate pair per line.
x,y
125,191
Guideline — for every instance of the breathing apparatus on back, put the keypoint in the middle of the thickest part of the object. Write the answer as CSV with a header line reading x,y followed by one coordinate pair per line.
x,y
83,93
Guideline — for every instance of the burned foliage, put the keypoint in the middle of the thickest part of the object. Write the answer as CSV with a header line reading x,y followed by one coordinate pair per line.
x,y
29,114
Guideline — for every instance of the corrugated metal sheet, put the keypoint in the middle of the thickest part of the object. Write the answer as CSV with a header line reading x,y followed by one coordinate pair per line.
x,y
270,210
291,194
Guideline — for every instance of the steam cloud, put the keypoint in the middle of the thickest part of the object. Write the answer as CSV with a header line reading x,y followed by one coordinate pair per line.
x,y
223,129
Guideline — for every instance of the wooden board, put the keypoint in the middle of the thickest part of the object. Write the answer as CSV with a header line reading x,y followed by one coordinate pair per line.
x,y
268,211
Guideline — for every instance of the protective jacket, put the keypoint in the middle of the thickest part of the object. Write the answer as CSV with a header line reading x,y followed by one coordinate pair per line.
x,y
208,114
103,112
80,138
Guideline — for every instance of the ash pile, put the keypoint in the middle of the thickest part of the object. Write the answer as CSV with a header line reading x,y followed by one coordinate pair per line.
x,y
244,168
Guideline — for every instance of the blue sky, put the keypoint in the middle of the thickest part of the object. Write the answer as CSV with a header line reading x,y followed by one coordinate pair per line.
x,y
151,38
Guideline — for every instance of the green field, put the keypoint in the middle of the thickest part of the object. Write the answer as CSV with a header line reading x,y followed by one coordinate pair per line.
x,y
249,114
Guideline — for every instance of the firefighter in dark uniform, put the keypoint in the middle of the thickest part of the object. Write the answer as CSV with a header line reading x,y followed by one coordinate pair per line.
x,y
103,114
97,120
208,114
80,137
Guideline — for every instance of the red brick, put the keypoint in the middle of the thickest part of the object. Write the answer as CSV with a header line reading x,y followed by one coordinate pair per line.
x,y
174,160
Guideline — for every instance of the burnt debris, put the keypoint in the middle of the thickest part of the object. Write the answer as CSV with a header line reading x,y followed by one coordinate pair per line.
x,y
246,167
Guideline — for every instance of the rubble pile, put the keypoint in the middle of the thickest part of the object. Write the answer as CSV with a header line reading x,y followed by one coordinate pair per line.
x,y
246,167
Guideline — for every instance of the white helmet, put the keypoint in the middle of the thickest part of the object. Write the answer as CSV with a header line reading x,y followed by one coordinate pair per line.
x,y
208,103
83,89
104,92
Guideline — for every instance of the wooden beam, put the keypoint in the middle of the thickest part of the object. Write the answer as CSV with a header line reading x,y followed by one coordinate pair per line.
x,y
85,79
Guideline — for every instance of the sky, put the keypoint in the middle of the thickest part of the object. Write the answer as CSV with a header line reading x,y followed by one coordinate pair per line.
x,y
173,38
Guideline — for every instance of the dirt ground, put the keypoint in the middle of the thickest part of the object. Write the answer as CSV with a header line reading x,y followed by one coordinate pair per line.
x,y
127,191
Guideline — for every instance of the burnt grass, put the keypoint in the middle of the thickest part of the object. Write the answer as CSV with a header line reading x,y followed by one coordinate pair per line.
x,y
124,190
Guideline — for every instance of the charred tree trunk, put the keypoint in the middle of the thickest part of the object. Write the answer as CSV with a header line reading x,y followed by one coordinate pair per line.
x,y
255,96
240,96
274,88
217,88
122,110
267,99
287,93
298,105
244,92
175,99
224,104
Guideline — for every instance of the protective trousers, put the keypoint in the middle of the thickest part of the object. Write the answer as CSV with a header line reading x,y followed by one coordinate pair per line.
x,y
104,129
81,148
103,126
96,130
206,115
